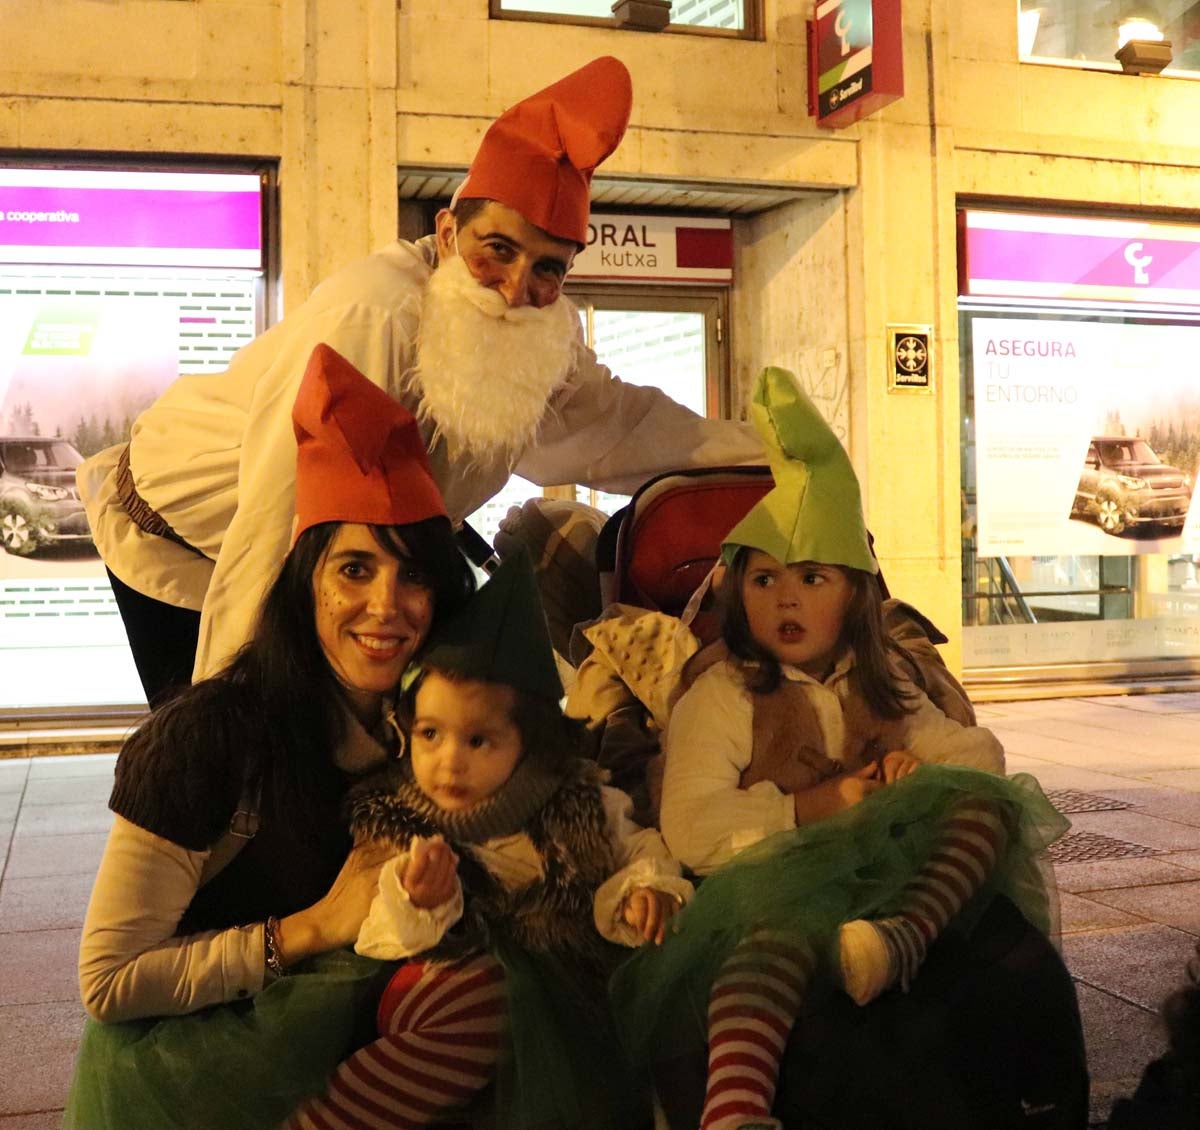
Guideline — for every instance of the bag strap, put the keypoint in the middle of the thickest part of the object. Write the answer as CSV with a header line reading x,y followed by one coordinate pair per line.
x,y
243,826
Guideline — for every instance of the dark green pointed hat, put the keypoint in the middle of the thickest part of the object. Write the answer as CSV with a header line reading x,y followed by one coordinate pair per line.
x,y
500,636
814,511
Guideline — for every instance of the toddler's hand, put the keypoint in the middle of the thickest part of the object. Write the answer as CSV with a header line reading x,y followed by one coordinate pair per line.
x,y
897,764
430,873
648,911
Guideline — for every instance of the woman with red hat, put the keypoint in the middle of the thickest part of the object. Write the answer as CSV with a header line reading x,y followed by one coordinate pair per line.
x,y
213,963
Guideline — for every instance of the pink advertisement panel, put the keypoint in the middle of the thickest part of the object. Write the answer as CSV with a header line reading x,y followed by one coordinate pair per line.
x,y
130,219
1013,254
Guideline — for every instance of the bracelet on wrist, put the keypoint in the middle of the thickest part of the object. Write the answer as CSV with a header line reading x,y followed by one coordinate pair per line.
x,y
271,947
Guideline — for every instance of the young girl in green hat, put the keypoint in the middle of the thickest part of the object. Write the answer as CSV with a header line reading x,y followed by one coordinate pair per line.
x,y
841,821
518,879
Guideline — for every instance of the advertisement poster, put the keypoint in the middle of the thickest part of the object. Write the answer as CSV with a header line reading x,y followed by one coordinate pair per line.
x,y
1087,437
74,373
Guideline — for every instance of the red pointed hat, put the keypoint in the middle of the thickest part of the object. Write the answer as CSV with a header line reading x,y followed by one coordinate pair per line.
x,y
539,155
360,457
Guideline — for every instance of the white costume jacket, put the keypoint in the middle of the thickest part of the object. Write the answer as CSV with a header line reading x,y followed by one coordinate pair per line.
x,y
215,455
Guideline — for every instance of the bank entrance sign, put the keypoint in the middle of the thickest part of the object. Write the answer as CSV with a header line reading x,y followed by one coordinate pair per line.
x,y
855,59
658,249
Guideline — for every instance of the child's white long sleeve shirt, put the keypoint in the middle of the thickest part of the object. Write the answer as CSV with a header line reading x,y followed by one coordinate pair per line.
x,y
395,929
707,818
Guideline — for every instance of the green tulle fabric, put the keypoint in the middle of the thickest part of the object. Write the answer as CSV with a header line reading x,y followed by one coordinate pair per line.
x,y
805,883
239,1066
563,1067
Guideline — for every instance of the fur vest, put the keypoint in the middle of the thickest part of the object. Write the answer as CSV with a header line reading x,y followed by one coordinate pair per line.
x,y
788,743
552,916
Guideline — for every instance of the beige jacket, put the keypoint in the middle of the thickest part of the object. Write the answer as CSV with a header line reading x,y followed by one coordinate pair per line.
x,y
215,455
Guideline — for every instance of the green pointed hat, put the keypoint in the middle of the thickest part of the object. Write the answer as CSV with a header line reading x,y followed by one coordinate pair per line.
x,y
814,511
500,636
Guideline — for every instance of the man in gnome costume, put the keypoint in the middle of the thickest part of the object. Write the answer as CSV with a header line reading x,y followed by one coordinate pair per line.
x,y
467,328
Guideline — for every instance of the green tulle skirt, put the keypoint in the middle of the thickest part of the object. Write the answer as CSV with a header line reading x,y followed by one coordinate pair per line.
x,y
806,883
563,1066
239,1066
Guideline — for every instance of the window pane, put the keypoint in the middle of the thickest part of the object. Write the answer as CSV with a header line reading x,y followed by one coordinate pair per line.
x,y
82,351
486,520
1090,31
691,13
655,347
661,348
1135,437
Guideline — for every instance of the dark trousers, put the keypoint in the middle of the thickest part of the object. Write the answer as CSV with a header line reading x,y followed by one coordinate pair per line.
x,y
163,640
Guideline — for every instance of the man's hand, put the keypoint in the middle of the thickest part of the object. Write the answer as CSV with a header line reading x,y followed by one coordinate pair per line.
x,y
897,764
648,911
431,872
836,794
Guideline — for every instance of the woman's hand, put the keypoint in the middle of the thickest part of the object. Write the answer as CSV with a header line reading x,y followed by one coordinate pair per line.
x,y
431,872
836,794
334,920
897,764
648,911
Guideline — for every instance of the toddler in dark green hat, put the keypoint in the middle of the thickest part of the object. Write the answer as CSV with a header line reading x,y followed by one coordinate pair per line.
x,y
518,878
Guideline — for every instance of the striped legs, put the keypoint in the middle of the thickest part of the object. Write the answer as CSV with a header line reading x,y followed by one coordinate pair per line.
x,y
440,1029
751,1010
879,953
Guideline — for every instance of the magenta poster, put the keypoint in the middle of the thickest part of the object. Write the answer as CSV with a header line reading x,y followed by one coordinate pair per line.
x,y
130,218
1074,258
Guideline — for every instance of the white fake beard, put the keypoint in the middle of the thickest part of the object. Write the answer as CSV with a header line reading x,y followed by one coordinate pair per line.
x,y
484,371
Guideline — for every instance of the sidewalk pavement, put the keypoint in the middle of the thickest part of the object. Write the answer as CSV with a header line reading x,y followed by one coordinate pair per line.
x,y
1125,768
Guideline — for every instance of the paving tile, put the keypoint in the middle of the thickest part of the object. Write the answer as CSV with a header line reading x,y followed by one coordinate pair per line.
x,y
1183,702
63,819
68,790
1159,801
1188,859
38,1045
1056,776
38,966
1121,1039
13,775
1076,913
1126,734
1127,824
1176,778
6,835
1140,964
43,1120
56,902
1175,904
1108,874
75,765
30,856
10,804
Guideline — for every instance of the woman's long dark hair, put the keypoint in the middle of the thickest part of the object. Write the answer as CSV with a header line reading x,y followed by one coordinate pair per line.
x,y
282,676
862,632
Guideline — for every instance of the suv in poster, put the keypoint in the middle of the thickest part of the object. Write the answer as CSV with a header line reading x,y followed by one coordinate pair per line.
x,y
1126,487
39,502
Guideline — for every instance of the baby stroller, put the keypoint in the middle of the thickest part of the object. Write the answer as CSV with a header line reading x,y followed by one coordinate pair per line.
x,y
989,1038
